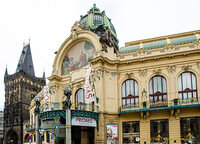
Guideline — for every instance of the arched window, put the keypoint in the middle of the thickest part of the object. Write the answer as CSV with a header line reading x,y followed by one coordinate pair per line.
x,y
80,98
187,87
158,91
130,93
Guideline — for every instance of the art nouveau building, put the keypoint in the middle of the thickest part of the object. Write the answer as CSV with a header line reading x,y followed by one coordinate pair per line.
x,y
146,92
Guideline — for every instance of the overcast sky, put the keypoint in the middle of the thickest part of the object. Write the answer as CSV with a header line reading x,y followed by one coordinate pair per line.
x,y
48,23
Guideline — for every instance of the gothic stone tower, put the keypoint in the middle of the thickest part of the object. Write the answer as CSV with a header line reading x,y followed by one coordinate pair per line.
x,y
20,89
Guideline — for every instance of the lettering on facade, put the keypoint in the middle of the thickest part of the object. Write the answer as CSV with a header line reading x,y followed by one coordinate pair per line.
x,y
83,121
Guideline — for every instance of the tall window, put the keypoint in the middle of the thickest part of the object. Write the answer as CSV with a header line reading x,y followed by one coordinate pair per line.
x,y
187,87
80,98
131,130
97,19
159,131
130,92
158,90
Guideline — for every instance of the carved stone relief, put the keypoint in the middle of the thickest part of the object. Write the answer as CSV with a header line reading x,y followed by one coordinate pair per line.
x,y
74,30
143,72
157,71
171,69
186,67
129,75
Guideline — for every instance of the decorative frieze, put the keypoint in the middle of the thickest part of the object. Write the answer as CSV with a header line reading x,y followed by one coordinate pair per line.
x,y
171,69
143,72
186,67
198,65
157,71
129,75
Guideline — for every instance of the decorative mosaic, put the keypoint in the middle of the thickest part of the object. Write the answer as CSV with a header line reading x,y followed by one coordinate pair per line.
x,y
78,56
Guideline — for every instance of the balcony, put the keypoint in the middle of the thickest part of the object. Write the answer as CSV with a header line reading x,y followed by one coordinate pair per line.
x,y
161,105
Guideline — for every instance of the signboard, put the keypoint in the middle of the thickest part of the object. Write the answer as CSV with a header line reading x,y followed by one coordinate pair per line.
x,y
112,133
83,121
46,94
89,97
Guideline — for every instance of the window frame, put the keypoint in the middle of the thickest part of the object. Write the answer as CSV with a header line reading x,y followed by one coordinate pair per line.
x,y
130,97
187,90
154,97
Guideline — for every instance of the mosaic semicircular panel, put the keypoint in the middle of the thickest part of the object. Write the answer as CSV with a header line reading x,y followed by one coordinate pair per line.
x,y
77,57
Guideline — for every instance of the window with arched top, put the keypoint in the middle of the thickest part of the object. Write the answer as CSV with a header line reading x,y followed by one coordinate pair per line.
x,y
130,94
187,87
157,91
80,98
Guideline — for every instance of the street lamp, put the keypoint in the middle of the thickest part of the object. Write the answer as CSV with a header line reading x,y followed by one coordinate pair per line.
x,y
37,111
67,104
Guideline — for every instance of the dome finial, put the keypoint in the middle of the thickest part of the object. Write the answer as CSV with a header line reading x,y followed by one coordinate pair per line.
x,y
94,5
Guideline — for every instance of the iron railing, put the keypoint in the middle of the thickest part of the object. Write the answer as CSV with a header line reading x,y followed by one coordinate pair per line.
x,y
160,104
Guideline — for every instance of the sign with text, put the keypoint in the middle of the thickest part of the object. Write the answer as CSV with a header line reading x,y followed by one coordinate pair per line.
x,y
83,121
89,97
46,94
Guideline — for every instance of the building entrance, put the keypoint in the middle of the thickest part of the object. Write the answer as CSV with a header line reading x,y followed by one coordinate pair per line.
x,y
82,135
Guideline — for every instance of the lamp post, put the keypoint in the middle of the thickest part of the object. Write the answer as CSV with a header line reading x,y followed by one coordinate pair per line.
x,y
37,111
67,104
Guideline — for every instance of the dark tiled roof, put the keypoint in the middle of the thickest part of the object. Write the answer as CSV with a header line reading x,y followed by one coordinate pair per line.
x,y
25,62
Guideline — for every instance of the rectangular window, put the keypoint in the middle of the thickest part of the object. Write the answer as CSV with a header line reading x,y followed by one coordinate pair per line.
x,y
159,131
190,130
131,130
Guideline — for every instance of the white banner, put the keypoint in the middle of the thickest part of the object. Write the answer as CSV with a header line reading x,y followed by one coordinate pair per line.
x,y
83,121
89,97
46,94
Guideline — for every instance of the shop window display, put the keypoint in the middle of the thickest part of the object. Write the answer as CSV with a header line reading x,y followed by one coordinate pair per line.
x,y
131,131
190,130
159,131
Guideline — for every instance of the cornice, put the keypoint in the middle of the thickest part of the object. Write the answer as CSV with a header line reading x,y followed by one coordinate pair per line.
x,y
54,77
162,38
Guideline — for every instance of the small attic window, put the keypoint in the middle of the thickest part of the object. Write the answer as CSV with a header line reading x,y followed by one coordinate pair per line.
x,y
23,52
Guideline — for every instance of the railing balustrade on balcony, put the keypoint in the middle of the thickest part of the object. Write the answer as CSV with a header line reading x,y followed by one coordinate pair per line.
x,y
60,106
160,104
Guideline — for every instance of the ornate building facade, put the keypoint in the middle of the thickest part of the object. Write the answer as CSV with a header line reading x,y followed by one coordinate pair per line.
x,y
20,89
146,92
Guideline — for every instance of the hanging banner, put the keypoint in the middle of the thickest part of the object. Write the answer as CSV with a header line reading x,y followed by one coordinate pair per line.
x,y
46,94
89,97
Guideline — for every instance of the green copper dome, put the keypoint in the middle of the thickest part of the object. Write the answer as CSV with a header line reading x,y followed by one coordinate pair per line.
x,y
95,20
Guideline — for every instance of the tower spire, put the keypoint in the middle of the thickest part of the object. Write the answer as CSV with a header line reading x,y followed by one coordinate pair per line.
x,y
25,62
6,72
